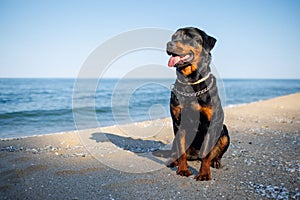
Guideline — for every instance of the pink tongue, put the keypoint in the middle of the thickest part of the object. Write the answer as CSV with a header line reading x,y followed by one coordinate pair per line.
x,y
173,60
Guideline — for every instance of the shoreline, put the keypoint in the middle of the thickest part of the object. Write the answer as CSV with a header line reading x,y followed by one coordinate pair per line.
x,y
117,162
147,121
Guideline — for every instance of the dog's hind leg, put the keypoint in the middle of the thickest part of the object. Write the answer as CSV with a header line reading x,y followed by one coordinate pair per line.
x,y
214,157
220,148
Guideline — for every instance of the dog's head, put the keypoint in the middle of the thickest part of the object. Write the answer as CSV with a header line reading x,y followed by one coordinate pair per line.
x,y
187,47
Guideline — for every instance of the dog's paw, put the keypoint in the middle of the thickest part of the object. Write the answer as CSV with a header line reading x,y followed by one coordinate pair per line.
x,y
203,177
186,173
172,163
216,164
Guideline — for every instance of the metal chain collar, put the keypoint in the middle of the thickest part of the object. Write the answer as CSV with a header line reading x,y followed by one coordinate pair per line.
x,y
194,94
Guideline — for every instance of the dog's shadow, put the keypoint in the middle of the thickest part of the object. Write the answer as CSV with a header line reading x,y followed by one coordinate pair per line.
x,y
130,144
139,146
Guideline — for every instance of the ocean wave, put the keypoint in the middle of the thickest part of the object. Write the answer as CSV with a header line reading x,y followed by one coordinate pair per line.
x,y
34,113
54,112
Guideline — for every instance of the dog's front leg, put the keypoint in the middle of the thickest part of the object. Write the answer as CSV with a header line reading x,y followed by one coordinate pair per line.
x,y
173,161
180,140
210,141
204,172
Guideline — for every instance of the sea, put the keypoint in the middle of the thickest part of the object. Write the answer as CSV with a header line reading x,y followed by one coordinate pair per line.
x,y
35,106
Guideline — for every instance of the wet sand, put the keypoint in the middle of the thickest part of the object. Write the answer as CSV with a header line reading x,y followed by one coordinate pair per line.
x,y
263,160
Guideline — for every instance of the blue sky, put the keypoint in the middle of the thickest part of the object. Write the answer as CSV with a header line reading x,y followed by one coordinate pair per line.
x,y
256,39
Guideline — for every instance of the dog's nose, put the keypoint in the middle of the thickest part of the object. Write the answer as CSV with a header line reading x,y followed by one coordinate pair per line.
x,y
170,45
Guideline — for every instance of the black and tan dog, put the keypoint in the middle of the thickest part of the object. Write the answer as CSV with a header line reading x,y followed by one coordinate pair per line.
x,y
195,106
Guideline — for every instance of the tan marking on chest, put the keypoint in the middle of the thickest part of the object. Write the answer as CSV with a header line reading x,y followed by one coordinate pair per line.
x,y
207,110
188,70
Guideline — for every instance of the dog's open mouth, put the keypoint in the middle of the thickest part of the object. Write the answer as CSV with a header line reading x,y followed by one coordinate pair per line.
x,y
178,60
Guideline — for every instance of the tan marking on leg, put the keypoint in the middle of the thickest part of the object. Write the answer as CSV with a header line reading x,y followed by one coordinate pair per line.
x,y
204,172
176,110
183,166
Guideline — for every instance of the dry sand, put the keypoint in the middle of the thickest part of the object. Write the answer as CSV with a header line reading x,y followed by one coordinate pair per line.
x,y
263,160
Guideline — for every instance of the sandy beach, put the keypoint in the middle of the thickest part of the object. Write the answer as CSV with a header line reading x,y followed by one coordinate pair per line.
x,y
118,162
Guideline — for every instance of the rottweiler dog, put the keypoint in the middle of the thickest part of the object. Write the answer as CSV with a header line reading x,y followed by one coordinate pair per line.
x,y
195,105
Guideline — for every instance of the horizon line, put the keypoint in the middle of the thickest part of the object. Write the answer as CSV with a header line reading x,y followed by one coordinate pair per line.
x,y
238,78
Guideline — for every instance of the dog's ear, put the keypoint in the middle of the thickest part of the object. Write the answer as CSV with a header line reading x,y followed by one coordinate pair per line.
x,y
209,43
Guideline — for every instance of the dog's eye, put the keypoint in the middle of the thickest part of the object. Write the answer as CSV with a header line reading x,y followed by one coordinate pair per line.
x,y
198,40
175,36
186,37
191,37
